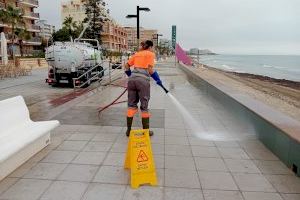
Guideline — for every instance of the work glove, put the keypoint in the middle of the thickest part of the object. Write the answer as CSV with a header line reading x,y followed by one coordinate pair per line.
x,y
128,72
156,77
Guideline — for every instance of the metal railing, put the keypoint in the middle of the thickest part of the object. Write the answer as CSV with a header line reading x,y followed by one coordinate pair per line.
x,y
34,27
31,14
35,40
111,75
112,78
106,79
90,78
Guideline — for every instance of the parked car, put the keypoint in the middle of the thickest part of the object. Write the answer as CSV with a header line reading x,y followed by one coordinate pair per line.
x,y
116,65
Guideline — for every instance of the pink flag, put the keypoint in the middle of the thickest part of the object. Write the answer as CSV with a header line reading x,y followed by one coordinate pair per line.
x,y
181,55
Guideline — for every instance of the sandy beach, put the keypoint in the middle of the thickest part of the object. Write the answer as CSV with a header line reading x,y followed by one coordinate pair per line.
x,y
283,95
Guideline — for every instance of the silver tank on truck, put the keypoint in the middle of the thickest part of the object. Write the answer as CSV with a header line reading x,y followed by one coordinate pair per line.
x,y
72,56
69,60
77,63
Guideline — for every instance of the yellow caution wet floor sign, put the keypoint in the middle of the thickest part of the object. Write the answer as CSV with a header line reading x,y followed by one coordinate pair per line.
x,y
139,159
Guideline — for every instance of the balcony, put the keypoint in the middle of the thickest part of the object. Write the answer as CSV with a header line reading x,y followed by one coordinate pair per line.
x,y
32,3
31,15
2,5
9,38
2,24
33,41
34,28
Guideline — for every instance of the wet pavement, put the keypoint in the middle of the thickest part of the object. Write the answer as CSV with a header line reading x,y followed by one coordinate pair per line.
x,y
86,155
40,98
33,88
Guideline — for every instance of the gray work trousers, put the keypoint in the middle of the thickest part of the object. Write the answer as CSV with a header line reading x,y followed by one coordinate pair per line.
x,y
138,90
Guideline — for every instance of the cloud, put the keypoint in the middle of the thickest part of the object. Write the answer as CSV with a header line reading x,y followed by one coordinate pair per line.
x,y
225,26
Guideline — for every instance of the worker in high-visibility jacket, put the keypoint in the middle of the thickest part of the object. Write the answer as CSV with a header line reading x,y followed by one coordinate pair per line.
x,y
139,83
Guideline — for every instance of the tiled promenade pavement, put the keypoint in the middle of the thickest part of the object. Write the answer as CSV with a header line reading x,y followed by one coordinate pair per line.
x,y
85,158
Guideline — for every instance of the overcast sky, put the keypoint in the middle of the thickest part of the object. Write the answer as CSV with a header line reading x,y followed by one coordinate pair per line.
x,y
224,26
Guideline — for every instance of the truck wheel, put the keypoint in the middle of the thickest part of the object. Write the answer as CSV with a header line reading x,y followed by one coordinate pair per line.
x,y
102,73
56,84
87,77
70,82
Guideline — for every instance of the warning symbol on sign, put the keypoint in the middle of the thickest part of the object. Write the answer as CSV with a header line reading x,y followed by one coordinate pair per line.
x,y
142,157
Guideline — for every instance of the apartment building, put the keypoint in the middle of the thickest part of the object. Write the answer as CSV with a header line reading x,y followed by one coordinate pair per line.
x,y
46,29
29,17
113,36
145,34
74,9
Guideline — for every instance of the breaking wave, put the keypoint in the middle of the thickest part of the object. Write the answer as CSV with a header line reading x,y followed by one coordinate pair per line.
x,y
228,67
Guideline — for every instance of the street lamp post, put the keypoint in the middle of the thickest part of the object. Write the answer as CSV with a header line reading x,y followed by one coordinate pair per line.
x,y
157,38
157,41
137,16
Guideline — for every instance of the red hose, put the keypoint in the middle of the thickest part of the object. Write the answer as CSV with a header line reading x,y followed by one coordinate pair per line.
x,y
119,85
101,109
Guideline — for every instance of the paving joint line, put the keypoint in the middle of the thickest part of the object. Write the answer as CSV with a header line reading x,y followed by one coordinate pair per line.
x,y
98,169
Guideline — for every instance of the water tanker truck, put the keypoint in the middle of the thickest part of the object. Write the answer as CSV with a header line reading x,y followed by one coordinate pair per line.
x,y
78,60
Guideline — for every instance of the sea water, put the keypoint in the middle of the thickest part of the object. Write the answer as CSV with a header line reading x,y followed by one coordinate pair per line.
x,y
275,66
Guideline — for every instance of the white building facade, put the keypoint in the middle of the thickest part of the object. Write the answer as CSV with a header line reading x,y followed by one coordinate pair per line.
x,y
46,29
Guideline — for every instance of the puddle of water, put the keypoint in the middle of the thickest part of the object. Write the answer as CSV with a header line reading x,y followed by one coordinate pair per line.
x,y
193,124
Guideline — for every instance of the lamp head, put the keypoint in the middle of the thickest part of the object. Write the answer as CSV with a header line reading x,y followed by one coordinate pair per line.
x,y
131,16
145,9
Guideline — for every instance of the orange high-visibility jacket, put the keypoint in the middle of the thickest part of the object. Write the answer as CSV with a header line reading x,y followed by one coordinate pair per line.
x,y
142,59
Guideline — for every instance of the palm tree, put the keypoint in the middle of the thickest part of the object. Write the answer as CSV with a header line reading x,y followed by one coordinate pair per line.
x,y
96,16
70,25
79,29
22,35
13,17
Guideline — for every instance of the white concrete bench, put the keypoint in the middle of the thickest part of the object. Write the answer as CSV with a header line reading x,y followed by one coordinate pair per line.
x,y
20,138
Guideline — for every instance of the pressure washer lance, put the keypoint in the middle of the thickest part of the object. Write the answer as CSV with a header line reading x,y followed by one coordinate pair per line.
x,y
163,87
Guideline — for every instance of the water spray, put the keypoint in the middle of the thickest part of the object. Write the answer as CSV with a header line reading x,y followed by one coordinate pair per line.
x,y
194,125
